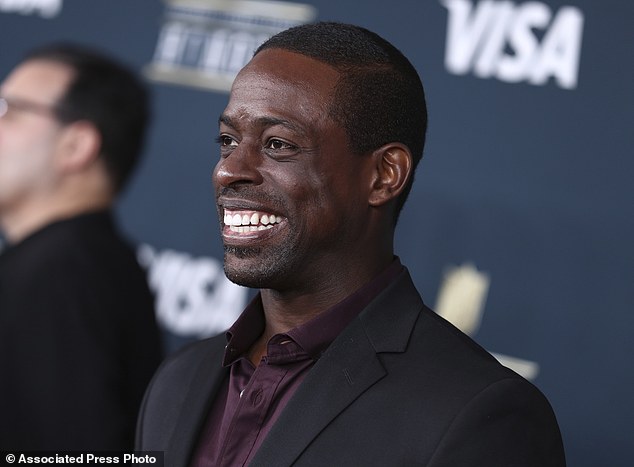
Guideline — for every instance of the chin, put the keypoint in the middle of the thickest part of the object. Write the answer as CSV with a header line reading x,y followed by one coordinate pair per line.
x,y
249,268
243,267
243,278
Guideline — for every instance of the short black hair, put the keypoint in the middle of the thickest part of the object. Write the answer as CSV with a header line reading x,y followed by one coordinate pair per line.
x,y
109,95
379,98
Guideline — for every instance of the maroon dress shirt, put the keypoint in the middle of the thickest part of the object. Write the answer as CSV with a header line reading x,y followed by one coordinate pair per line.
x,y
252,398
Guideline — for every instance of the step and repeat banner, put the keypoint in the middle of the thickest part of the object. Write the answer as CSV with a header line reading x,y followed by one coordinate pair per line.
x,y
520,226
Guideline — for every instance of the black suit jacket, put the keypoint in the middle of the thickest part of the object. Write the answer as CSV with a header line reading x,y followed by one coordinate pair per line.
x,y
78,339
400,386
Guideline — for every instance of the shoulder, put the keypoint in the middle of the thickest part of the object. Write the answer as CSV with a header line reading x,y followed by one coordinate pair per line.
x,y
403,330
180,376
189,375
507,422
181,367
458,366
467,403
65,245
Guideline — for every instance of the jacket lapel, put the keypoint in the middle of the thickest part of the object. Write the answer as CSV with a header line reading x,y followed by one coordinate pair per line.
x,y
347,369
205,384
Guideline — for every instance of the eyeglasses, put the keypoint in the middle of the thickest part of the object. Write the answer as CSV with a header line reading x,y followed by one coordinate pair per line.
x,y
25,105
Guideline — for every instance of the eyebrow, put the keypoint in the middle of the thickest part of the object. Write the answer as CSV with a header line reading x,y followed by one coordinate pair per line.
x,y
263,122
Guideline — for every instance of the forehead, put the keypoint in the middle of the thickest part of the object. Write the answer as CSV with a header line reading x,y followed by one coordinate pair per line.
x,y
43,79
277,81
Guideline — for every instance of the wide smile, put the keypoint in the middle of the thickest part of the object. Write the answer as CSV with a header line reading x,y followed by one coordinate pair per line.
x,y
249,224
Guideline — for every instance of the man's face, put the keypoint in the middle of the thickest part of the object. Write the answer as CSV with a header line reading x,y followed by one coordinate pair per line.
x,y
291,196
29,131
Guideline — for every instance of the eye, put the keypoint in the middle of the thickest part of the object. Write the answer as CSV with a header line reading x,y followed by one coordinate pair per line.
x,y
279,149
226,141
227,144
278,145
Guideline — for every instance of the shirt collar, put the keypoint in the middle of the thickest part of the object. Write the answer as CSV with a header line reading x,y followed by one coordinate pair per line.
x,y
245,331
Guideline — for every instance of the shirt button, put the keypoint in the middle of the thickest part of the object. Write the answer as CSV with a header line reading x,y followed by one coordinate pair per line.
x,y
256,397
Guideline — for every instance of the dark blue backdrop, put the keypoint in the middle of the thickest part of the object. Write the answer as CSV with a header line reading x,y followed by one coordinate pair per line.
x,y
527,176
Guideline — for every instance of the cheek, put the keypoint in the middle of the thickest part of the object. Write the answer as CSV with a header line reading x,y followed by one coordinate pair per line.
x,y
24,159
323,201
308,189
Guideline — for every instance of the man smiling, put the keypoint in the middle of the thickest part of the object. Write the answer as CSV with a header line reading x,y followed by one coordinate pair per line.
x,y
337,361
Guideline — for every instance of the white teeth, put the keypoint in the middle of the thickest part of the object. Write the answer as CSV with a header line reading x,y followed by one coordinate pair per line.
x,y
239,222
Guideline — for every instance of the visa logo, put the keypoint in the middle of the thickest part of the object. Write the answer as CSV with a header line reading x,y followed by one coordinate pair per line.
x,y
514,43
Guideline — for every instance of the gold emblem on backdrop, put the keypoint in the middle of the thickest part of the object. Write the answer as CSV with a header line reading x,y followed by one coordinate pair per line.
x,y
461,301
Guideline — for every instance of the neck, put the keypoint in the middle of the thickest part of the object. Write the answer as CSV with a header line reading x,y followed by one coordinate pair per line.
x,y
74,194
285,310
27,219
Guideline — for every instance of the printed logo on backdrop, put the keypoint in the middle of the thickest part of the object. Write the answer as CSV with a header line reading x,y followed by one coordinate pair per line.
x,y
204,43
514,42
44,8
193,297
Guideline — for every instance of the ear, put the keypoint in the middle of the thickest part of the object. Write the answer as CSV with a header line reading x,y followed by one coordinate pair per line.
x,y
78,146
393,167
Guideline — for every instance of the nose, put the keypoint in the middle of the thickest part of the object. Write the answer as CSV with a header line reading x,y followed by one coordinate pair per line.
x,y
240,167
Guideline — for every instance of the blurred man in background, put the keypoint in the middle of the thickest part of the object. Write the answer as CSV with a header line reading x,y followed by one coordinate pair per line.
x,y
78,339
